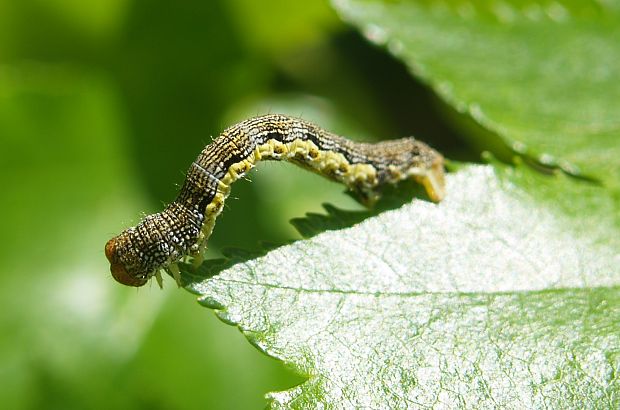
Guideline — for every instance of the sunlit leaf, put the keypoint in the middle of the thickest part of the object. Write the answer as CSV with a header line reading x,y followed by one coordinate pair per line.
x,y
494,297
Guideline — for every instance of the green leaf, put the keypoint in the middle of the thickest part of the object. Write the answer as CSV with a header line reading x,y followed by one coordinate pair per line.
x,y
542,76
506,294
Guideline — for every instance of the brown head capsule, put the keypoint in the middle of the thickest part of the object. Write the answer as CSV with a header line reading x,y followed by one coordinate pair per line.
x,y
119,269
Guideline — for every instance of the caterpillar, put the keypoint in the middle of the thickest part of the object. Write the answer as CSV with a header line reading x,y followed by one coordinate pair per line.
x,y
183,227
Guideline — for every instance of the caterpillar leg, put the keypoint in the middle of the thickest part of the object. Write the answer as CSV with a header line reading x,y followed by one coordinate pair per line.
x,y
199,258
176,274
160,280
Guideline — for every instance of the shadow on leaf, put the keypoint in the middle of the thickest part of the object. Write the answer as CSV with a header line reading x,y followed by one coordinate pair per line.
x,y
392,197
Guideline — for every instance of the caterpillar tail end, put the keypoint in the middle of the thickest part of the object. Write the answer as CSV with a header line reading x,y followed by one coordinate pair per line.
x,y
434,181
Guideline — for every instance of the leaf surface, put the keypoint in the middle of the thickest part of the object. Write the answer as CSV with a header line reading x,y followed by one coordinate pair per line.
x,y
494,297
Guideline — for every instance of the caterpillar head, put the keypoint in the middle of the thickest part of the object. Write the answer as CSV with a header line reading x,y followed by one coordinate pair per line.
x,y
127,267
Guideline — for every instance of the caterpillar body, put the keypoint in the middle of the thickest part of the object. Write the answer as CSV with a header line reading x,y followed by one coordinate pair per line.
x,y
183,227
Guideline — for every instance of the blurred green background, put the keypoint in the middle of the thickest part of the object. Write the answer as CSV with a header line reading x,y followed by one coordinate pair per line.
x,y
103,106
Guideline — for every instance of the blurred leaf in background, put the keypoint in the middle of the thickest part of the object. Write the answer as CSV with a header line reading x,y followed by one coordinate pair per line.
x,y
540,77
